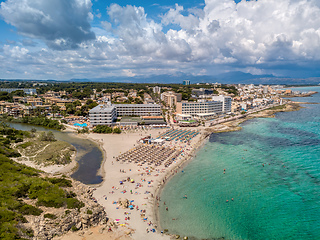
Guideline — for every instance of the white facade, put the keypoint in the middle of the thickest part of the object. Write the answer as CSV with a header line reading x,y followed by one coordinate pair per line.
x,y
226,102
195,108
138,109
157,89
104,114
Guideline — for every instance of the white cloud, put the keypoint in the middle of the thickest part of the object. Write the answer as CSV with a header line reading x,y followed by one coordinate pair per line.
x,y
56,22
254,36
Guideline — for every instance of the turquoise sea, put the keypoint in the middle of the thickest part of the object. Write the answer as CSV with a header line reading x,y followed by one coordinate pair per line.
x,y
272,173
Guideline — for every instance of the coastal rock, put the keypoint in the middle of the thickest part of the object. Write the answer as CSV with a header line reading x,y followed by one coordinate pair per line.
x,y
78,225
69,219
124,203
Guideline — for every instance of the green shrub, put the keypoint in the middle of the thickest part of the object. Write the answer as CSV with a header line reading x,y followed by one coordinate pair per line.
x,y
74,203
61,182
50,216
25,145
29,232
74,228
30,210
70,194
89,211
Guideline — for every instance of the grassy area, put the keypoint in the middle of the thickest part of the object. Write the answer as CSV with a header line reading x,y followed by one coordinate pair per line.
x,y
281,107
19,183
46,152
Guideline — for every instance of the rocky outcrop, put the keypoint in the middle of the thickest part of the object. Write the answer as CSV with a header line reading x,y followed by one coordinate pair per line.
x,y
56,222
124,203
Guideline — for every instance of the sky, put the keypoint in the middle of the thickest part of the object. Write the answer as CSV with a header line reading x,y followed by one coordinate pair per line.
x,y
66,39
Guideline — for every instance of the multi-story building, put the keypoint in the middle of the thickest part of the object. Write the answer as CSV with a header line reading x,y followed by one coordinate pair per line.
x,y
34,102
201,108
138,109
104,114
157,89
186,82
171,98
226,100
205,109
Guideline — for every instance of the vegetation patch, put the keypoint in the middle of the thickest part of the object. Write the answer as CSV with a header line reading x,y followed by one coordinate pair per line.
x,y
19,182
38,121
105,129
25,145
50,216
44,149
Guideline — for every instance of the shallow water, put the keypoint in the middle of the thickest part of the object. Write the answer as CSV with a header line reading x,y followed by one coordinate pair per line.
x,y
89,155
272,173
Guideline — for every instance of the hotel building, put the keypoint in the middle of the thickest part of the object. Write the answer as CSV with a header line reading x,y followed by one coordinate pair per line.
x,y
104,114
205,109
138,109
226,102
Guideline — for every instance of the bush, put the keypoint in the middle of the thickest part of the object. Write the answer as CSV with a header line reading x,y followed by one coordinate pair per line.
x,y
89,211
50,216
25,145
117,130
61,182
30,210
74,228
74,203
102,129
49,136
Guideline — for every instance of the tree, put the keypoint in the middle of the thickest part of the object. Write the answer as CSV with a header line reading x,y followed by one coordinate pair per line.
x,y
54,109
116,130
47,137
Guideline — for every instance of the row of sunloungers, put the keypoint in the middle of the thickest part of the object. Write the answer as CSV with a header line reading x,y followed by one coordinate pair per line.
x,y
150,154
182,135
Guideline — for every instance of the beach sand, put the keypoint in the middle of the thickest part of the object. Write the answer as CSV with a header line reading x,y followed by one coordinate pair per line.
x,y
144,197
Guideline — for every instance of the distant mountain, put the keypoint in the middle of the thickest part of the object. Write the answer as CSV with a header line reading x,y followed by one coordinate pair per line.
x,y
225,78
239,77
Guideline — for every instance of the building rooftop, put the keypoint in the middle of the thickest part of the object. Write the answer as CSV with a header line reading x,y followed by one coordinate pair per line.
x,y
102,108
136,105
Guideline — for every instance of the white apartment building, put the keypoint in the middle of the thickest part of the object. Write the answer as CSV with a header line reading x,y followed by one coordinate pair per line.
x,y
157,89
104,114
203,108
226,102
138,109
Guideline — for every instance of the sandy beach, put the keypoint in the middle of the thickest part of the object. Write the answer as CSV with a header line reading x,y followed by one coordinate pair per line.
x,y
142,194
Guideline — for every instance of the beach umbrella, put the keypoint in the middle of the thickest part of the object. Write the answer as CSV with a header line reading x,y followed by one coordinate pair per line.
x,y
130,206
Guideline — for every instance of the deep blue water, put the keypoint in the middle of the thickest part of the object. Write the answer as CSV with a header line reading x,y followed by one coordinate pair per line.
x,y
272,173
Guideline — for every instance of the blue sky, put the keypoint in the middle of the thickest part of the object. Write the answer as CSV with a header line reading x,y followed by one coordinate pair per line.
x,y
63,39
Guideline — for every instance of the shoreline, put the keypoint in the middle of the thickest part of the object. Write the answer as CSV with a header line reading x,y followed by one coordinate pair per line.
x,y
113,144
172,173
138,228
146,189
